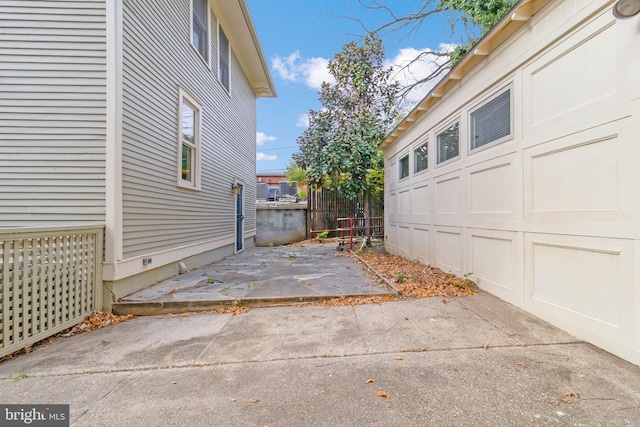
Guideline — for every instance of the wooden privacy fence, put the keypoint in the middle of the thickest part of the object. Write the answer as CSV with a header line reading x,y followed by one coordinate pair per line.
x,y
50,279
326,206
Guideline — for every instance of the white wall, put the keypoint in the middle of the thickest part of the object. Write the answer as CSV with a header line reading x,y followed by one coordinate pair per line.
x,y
549,219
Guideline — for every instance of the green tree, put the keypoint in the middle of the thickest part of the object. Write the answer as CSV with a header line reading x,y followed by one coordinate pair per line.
x,y
480,14
339,149
296,174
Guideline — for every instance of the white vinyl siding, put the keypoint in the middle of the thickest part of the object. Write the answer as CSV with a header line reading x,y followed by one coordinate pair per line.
x,y
52,112
158,215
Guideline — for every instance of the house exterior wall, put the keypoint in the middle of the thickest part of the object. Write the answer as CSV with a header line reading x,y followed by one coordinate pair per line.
x,y
548,219
52,112
158,60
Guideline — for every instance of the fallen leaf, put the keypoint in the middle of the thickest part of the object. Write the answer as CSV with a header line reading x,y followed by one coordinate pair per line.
x,y
254,400
571,393
521,363
383,394
566,400
398,358
186,314
444,301
369,381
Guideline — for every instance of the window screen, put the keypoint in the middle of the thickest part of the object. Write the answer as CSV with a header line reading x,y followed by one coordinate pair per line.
x,y
491,122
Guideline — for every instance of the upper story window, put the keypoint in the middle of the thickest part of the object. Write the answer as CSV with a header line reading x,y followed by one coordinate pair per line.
x,y
189,142
224,62
448,143
491,122
404,167
200,27
421,158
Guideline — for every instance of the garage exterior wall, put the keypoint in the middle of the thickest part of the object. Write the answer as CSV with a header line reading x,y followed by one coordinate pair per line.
x,y
547,218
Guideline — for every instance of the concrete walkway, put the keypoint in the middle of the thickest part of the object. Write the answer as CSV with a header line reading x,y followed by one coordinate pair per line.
x,y
258,276
473,361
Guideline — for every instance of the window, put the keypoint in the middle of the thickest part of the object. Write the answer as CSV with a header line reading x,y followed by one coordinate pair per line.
x,y
421,158
491,122
448,143
404,167
189,142
200,27
223,58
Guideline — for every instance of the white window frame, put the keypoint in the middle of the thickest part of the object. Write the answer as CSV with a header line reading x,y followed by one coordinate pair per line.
x,y
437,147
400,159
206,58
227,54
423,143
194,182
481,104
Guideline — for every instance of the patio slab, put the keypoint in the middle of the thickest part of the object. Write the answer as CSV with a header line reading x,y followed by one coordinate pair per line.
x,y
258,276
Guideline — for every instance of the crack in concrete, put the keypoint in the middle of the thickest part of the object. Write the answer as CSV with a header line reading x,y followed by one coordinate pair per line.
x,y
194,364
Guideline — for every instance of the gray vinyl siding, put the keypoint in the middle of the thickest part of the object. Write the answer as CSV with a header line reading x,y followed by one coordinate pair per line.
x,y
52,112
158,58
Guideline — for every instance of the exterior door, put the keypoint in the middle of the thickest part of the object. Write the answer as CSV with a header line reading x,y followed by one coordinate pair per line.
x,y
239,219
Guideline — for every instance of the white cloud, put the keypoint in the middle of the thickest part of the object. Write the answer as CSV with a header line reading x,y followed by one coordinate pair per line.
x,y
316,71
286,67
407,72
303,121
311,71
262,156
261,138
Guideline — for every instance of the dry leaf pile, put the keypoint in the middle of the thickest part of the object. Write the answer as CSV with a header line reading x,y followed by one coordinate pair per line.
x,y
96,320
233,309
414,279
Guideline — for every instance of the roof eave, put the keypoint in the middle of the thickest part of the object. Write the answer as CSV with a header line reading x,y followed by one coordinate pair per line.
x,y
518,16
238,26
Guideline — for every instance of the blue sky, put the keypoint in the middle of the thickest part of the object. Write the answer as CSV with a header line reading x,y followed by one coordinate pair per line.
x,y
298,38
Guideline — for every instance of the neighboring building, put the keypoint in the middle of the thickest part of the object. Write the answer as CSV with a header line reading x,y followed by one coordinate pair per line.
x,y
139,114
273,179
521,167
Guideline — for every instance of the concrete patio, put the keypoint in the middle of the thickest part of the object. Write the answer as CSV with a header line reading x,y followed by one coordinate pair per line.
x,y
259,276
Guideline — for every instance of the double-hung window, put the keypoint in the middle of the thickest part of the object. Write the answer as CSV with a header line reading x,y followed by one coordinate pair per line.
x,y
421,158
448,143
200,27
189,142
224,63
491,122
404,167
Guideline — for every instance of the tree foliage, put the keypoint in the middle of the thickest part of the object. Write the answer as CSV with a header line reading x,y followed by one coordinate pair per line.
x,y
339,149
476,17
480,14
